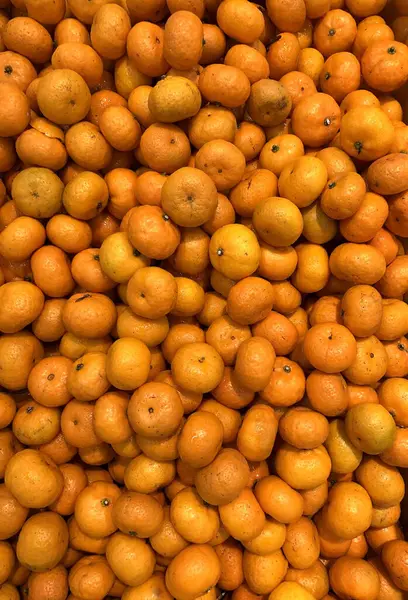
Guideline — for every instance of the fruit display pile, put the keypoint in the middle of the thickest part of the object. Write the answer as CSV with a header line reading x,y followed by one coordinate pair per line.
x,y
203,299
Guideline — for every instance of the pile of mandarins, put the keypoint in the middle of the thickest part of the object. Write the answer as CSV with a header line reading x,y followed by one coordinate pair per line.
x,y
203,299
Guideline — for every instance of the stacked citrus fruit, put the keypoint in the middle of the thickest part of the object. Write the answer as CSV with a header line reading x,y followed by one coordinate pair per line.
x,y
203,286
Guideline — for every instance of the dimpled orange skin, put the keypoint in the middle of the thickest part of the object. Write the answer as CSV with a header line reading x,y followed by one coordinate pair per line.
x,y
201,569
335,347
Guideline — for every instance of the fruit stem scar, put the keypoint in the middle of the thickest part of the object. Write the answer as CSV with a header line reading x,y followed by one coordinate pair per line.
x,y
358,146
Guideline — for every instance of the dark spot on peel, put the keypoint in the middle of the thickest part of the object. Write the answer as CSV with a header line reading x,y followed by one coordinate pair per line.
x,y
83,297
358,146
281,103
